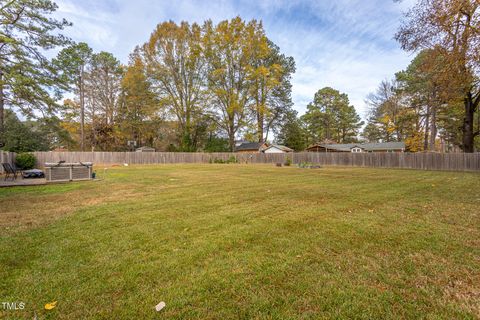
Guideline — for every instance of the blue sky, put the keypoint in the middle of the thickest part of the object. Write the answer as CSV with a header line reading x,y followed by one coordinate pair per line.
x,y
345,44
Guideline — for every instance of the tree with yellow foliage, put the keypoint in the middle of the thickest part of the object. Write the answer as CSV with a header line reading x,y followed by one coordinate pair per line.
x,y
231,48
140,111
175,65
270,87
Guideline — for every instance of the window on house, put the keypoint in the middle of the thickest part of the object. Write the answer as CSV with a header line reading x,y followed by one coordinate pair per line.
x,y
355,150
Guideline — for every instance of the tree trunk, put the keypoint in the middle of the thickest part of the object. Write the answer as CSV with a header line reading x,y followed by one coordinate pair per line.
x,y
260,126
2,111
467,129
231,140
427,128
231,131
135,138
433,129
94,133
82,112
187,139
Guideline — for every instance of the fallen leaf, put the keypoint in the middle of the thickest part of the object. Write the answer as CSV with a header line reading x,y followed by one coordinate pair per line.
x,y
51,305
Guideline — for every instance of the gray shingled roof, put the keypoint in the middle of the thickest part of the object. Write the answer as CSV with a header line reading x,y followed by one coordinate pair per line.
x,y
146,148
384,146
375,146
249,146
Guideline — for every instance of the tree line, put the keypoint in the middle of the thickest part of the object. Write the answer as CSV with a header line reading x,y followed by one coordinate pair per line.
x,y
436,99
200,87
206,84
432,105
189,87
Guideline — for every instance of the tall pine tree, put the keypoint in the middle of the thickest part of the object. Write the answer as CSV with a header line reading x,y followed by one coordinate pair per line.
x,y
27,77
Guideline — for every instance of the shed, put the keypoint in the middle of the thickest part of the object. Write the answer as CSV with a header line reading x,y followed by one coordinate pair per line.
x,y
145,149
276,148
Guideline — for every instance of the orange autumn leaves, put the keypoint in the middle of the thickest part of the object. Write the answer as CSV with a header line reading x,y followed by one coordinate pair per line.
x,y
226,72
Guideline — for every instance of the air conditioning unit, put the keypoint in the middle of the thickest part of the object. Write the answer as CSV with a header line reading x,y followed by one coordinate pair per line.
x,y
62,171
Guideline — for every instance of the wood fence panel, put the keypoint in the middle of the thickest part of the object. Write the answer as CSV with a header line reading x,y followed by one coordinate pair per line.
x,y
423,161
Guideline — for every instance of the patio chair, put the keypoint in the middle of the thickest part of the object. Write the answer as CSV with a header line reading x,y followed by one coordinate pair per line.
x,y
10,171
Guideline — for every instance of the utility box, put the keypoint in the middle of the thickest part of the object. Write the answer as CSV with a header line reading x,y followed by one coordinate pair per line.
x,y
68,171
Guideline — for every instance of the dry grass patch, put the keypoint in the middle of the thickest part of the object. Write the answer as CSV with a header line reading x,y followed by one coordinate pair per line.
x,y
244,241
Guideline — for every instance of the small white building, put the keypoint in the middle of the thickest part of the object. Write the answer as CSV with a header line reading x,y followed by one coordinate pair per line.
x,y
145,149
275,148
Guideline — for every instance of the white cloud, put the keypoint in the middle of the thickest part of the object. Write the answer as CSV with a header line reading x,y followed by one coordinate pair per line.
x,y
345,44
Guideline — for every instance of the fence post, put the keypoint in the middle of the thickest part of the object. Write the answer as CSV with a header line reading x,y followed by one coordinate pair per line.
x,y
424,161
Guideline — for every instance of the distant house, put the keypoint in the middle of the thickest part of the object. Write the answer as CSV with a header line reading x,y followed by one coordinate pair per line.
x,y
145,149
276,148
240,142
251,147
358,147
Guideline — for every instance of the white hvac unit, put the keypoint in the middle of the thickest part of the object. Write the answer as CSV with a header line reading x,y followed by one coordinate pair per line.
x,y
62,171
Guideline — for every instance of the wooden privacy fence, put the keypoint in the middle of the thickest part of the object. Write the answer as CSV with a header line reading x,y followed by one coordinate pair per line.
x,y
153,157
426,161
6,157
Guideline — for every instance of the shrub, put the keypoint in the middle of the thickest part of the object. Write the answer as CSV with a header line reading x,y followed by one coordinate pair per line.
x,y
218,161
25,161
305,165
232,159
288,162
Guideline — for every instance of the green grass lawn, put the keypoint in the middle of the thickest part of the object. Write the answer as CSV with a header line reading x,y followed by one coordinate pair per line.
x,y
244,242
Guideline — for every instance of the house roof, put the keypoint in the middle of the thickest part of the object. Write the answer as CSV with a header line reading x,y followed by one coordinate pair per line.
x,y
374,146
239,142
249,146
384,146
145,148
279,146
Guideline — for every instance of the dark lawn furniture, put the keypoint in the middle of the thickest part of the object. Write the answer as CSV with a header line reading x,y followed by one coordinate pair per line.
x,y
33,173
10,171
